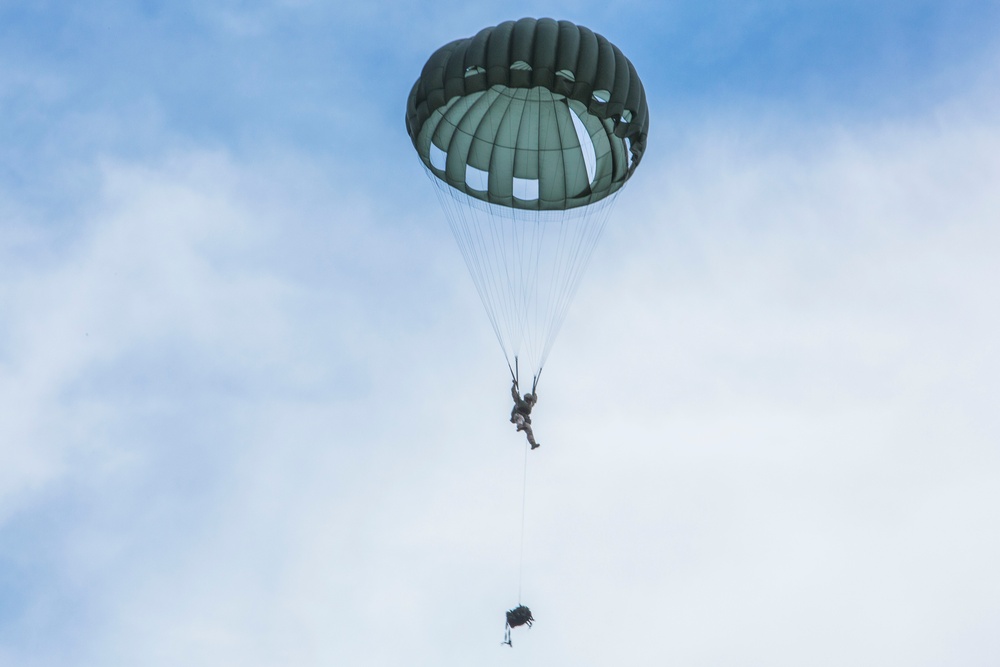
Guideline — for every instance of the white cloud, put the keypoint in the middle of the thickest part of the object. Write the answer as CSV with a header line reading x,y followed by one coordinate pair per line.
x,y
799,428
248,421
201,379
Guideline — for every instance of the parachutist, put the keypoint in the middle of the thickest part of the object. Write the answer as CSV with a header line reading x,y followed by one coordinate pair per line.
x,y
520,414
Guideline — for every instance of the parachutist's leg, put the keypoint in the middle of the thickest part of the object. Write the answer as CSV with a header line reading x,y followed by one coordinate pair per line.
x,y
524,424
530,435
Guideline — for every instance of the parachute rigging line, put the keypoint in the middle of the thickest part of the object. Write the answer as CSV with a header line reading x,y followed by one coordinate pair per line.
x,y
526,265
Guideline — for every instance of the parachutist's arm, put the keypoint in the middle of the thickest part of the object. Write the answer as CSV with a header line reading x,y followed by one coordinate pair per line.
x,y
514,394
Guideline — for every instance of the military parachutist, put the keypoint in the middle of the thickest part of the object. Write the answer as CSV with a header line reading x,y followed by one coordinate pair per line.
x,y
520,414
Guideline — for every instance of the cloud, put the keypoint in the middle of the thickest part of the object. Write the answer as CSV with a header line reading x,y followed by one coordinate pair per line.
x,y
179,326
251,417
797,449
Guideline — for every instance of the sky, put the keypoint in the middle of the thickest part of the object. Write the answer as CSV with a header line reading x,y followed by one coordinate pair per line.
x,y
252,412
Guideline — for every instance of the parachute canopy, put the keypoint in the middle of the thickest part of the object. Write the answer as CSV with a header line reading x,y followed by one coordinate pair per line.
x,y
529,130
534,114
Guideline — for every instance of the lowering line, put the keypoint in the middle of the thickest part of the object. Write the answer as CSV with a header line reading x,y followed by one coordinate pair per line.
x,y
520,615
524,497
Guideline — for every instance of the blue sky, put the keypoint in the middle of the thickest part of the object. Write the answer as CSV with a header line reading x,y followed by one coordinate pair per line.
x,y
253,413
247,75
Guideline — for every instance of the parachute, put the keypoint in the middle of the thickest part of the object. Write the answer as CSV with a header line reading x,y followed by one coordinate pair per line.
x,y
529,130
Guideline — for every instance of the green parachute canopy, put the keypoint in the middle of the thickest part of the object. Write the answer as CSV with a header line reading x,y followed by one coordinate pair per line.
x,y
529,130
533,114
